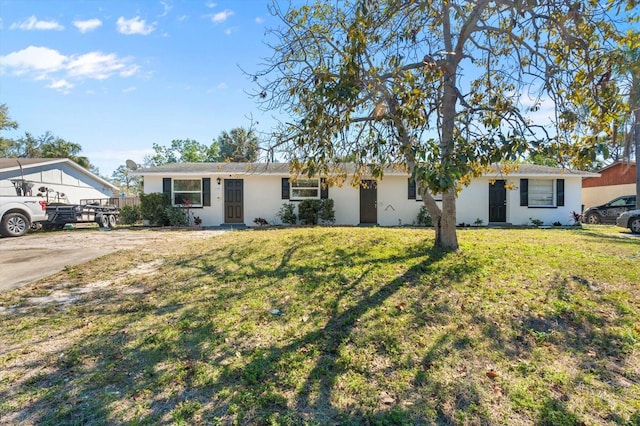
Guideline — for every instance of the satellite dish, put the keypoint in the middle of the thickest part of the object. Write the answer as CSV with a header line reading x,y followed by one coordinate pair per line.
x,y
131,165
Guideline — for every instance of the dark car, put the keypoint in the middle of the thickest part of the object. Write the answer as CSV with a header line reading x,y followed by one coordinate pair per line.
x,y
608,213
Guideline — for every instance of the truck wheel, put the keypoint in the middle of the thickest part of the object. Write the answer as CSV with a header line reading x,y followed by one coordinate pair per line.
x,y
14,225
104,221
112,221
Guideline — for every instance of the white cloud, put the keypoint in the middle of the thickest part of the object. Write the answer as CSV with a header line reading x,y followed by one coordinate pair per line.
x,y
220,17
129,71
228,31
166,8
222,86
61,85
259,20
129,89
33,59
88,25
134,26
95,65
32,23
44,64
211,4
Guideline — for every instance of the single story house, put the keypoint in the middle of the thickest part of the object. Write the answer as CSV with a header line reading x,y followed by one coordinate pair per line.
x,y
615,180
238,193
58,179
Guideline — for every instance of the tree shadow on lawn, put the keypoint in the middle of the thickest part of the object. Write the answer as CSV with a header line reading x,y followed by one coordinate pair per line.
x,y
162,359
168,358
596,341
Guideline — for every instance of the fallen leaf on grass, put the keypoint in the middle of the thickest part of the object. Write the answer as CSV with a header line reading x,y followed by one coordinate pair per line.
x,y
387,399
492,374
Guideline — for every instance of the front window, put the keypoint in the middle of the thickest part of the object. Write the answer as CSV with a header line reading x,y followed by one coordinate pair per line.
x,y
540,192
305,188
187,192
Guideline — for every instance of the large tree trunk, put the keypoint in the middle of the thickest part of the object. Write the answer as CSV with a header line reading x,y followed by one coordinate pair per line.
x,y
636,137
444,220
446,237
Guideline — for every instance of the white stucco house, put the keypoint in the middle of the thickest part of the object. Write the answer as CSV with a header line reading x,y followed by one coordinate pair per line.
x,y
237,193
63,179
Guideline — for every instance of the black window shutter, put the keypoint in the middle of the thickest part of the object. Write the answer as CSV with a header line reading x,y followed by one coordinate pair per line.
x,y
412,189
324,189
206,191
524,192
285,188
560,192
166,186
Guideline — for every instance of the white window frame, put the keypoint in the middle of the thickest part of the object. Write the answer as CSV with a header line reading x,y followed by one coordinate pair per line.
x,y
541,195
304,185
187,191
437,197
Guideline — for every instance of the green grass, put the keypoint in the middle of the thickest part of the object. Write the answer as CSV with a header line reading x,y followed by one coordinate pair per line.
x,y
335,326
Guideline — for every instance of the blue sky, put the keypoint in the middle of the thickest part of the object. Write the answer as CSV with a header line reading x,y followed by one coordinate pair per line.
x,y
116,76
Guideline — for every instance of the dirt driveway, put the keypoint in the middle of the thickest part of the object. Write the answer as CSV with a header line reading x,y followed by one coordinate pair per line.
x,y
37,255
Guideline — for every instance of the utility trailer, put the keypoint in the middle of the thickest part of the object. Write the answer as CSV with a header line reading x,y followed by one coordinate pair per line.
x,y
58,215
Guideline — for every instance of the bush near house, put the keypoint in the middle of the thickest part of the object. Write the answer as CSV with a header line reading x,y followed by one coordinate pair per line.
x,y
157,209
314,212
129,215
287,214
327,214
424,218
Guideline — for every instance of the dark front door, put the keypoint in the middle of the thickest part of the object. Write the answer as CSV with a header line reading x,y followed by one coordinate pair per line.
x,y
497,201
369,201
233,201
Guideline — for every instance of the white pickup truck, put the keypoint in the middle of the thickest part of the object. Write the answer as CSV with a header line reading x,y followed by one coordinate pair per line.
x,y
17,214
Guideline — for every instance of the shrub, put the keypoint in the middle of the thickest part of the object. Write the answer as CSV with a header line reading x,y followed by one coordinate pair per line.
x,y
157,209
424,218
327,214
152,208
308,211
536,222
287,214
260,221
130,214
313,212
176,216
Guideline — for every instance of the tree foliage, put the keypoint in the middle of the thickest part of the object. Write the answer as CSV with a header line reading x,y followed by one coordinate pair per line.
x,y
6,123
238,145
47,145
129,184
182,151
441,89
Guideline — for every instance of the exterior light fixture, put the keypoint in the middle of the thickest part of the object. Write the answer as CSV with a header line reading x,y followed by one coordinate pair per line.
x,y
218,180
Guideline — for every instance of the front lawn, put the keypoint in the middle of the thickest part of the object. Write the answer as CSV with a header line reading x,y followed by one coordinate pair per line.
x,y
333,326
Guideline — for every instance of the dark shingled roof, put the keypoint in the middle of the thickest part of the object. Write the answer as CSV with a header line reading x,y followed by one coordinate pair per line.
x,y
284,169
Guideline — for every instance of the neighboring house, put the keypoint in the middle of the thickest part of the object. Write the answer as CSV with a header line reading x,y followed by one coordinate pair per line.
x,y
615,180
238,193
64,180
